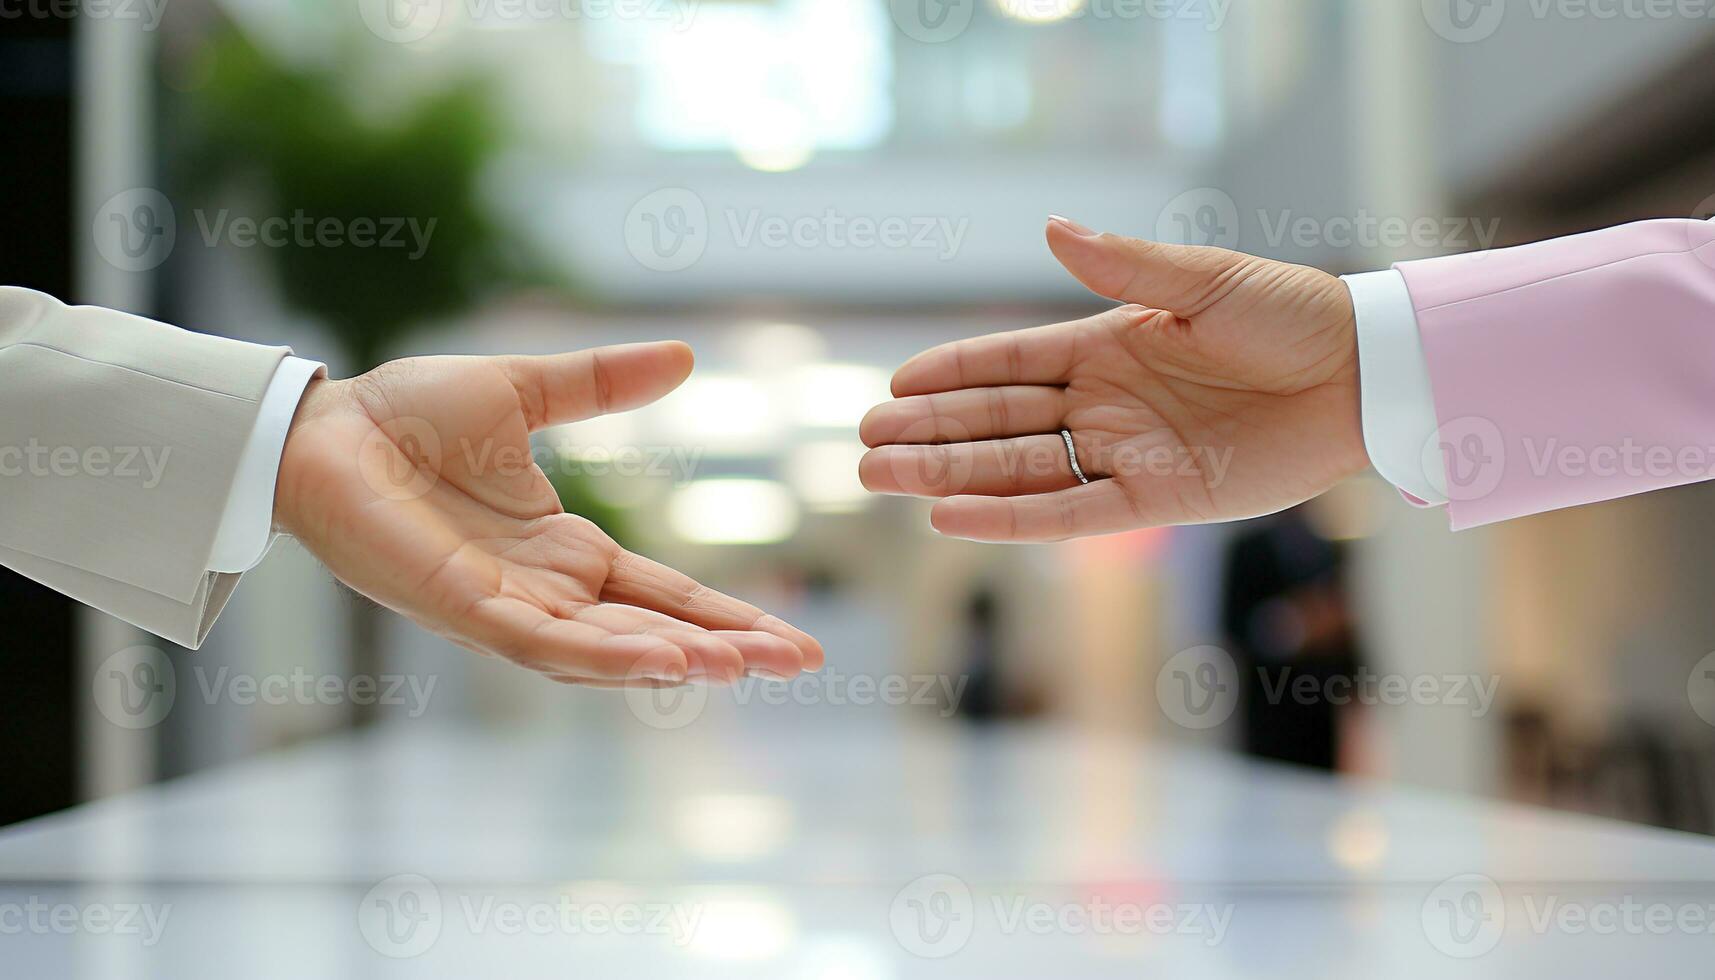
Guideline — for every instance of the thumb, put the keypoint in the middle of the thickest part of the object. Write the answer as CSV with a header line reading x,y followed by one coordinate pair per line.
x,y
1180,279
558,388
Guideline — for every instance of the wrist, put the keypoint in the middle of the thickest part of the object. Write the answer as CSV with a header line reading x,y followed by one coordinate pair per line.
x,y
297,458
1340,316
1352,409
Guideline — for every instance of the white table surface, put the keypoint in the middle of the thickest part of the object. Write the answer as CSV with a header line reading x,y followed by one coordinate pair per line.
x,y
919,850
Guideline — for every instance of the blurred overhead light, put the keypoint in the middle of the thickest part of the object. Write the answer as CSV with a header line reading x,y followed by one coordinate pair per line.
x,y
742,924
836,395
770,349
774,137
825,476
723,414
733,511
1358,841
726,83
732,826
840,957
1039,11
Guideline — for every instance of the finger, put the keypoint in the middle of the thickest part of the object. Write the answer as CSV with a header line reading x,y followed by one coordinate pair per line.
x,y
1101,507
1181,279
640,581
559,388
965,416
765,654
1000,468
707,655
527,635
1037,356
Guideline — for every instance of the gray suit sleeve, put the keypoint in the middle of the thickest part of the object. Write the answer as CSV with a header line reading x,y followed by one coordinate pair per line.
x,y
119,441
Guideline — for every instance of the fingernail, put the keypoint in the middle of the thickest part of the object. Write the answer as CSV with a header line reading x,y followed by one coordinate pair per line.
x,y
767,675
1073,226
671,675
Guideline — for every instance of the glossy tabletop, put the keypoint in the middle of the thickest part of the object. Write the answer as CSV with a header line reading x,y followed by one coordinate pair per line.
x,y
801,850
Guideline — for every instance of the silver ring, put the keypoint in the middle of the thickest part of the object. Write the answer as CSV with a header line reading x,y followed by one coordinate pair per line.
x,y
1072,456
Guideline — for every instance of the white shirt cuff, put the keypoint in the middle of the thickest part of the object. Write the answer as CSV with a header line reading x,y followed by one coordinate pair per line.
x,y
247,524
1398,406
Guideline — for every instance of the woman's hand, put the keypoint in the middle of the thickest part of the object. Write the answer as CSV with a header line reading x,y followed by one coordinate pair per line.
x,y
1228,388
414,483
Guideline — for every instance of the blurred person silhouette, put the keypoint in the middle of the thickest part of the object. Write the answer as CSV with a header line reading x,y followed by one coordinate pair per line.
x,y
1286,615
984,697
989,693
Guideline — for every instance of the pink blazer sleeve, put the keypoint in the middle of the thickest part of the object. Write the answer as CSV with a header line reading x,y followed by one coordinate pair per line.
x,y
1573,370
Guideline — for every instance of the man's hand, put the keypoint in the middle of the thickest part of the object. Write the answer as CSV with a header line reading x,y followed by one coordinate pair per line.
x,y
415,485
1228,388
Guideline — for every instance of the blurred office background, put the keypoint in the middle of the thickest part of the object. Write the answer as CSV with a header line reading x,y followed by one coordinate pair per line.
x,y
810,191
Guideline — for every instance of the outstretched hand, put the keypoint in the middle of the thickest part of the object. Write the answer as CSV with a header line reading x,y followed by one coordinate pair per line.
x,y
415,485
1226,388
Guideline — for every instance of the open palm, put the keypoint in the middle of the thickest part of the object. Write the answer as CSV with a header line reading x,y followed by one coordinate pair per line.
x,y
415,485
1226,388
